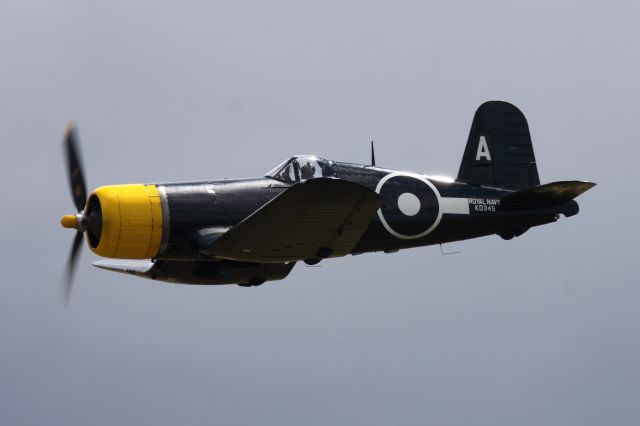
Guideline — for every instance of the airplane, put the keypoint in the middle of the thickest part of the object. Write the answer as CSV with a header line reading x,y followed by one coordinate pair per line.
x,y
308,209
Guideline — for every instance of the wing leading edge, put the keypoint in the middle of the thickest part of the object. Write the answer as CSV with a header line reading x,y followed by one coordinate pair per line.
x,y
316,219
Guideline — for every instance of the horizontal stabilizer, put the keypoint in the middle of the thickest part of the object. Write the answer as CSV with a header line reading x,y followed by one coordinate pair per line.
x,y
547,195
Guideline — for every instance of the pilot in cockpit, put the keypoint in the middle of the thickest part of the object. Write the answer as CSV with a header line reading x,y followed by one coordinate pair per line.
x,y
301,168
307,171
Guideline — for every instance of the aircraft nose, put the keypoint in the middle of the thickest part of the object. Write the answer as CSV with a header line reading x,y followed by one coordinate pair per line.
x,y
125,221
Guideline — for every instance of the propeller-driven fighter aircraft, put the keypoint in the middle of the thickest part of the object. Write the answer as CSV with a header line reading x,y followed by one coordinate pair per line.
x,y
248,231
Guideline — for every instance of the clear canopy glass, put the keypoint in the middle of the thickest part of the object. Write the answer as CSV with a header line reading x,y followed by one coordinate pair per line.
x,y
301,168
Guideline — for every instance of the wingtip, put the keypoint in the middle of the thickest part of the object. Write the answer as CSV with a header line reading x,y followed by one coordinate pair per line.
x,y
583,186
129,266
588,185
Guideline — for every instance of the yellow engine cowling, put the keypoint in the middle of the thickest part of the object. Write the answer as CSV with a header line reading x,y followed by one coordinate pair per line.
x,y
131,221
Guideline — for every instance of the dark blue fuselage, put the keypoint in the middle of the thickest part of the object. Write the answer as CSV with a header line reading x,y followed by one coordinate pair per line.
x,y
416,210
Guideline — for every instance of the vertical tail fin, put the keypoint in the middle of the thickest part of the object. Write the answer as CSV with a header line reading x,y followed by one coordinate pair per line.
x,y
499,150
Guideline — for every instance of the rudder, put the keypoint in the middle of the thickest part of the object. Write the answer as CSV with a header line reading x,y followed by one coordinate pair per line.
x,y
499,151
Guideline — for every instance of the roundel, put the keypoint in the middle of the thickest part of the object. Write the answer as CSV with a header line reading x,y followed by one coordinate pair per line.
x,y
410,205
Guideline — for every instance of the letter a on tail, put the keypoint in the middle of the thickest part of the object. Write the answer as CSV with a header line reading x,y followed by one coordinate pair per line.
x,y
483,150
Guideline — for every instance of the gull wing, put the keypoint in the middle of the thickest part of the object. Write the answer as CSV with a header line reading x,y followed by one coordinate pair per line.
x,y
318,218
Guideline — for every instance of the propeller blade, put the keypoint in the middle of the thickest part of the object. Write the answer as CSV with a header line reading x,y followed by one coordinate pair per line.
x,y
71,265
74,167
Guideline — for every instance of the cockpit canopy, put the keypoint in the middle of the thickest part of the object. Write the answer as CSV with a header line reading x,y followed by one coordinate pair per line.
x,y
301,168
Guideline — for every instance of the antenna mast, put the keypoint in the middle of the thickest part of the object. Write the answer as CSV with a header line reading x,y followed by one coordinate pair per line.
x,y
373,156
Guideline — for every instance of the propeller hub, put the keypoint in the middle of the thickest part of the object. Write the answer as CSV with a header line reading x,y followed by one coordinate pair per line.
x,y
74,221
69,221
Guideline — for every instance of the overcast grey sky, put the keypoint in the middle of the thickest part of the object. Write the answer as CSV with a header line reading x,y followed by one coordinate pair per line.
x,y
543,329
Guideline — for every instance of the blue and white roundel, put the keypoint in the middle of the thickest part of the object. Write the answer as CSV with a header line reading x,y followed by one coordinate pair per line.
x,y
410,205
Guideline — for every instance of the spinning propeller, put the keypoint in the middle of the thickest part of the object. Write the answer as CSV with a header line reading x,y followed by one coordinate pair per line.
x,y
81,222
